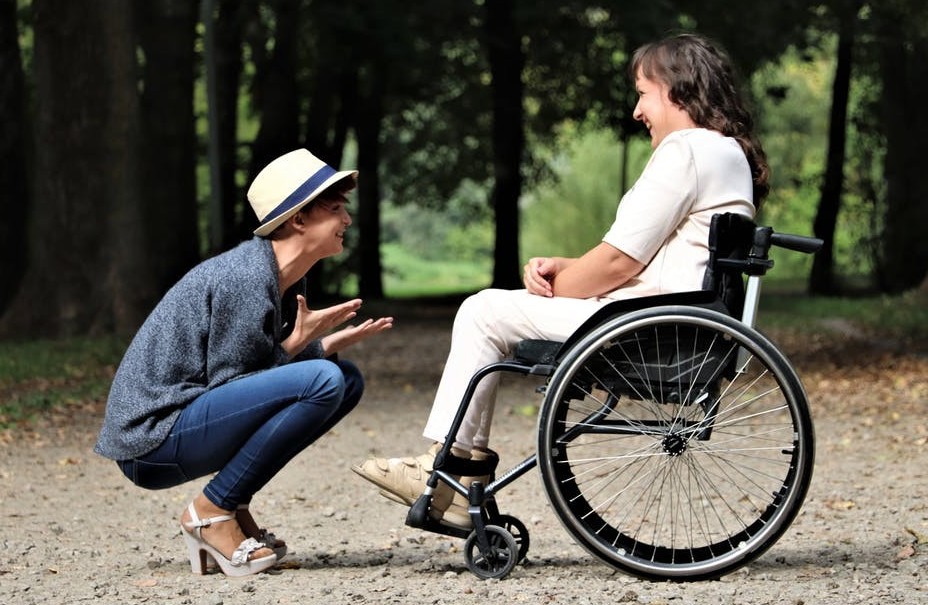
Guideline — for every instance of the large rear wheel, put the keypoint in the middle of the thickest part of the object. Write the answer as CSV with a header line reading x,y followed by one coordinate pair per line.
x,y
675,443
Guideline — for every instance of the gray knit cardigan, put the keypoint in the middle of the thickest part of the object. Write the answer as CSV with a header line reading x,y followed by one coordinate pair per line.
x,y
223,320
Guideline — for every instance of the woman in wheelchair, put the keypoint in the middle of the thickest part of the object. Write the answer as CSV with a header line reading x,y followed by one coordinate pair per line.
x,y
706,160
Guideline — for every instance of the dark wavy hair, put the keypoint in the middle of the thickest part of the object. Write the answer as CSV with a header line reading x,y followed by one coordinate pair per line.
x,y
701,80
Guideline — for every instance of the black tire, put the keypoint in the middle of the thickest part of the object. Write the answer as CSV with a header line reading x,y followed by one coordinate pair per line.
x,y
518,531
675,443
497,559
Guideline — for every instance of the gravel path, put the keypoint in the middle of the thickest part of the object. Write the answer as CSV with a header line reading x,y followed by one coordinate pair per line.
x,y
74,530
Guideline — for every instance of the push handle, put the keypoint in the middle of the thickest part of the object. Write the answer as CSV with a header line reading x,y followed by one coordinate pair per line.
x,y
758,262
797,243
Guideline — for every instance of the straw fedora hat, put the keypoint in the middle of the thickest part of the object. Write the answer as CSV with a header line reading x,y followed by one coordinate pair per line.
x,y
289,183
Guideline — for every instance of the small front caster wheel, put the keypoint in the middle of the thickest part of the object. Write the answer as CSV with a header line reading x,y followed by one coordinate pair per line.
x,y
518,530
496,558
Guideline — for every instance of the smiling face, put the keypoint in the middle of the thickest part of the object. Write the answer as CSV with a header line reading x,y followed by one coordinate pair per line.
x,y
659,114
327,220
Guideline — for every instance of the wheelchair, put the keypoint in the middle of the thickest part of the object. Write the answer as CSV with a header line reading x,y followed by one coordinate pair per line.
x,y
675,441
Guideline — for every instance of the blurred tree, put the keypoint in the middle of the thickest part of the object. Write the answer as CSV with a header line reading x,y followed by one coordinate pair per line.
x,y
507,60
14,149
751,36
439,97
85,274
229,22
382,71
822,277
373,78
276,95
167,32
901,42
331,61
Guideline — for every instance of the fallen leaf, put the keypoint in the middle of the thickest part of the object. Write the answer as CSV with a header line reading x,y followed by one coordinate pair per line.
x,y
840,504
907,551
289,564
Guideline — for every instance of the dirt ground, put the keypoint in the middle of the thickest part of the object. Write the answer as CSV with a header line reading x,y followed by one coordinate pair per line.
x,y
74,530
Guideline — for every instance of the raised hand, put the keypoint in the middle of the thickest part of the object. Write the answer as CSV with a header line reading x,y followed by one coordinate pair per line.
x,y
346,337
312,324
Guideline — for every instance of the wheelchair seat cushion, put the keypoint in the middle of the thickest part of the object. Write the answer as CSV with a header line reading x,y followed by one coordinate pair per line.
x,y
533,352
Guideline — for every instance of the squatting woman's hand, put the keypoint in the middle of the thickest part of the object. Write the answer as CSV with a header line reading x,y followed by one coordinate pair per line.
x,y
312,324
346,337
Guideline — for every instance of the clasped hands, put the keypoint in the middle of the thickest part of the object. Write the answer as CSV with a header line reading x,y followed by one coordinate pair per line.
x,y
538,275
311,324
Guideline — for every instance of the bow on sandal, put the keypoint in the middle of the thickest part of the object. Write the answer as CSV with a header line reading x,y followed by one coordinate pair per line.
x,y
270,540
202,552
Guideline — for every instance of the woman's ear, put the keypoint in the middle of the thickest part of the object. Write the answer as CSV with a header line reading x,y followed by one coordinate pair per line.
x,y
298,220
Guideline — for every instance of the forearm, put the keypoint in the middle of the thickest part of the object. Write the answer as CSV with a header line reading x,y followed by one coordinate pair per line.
x,y
598,272
294,345
316,349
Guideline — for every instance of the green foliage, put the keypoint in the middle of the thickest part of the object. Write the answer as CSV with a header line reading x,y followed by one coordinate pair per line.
x,y
569,213
462,232
428,251
407,275
792,114
794,101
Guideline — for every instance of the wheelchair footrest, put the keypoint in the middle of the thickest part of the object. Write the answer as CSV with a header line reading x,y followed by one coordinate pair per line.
x,y
418,517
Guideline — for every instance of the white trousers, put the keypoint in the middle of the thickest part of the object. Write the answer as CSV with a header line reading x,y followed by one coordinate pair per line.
x,y
487,327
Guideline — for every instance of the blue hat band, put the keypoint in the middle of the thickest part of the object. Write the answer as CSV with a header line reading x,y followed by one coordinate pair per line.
x,y
300,193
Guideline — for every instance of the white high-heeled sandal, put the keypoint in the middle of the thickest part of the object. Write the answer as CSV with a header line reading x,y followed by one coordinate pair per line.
x,y
269,539
201,552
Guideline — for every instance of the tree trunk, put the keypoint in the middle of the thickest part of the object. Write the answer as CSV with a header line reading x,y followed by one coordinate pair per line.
x,y
14,184
331,112
904,258
279,95
320,116
370,279
228,57
822,276
85,274
506,64
167,31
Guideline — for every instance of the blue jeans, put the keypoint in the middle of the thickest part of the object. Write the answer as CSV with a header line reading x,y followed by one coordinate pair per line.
x,y
247,430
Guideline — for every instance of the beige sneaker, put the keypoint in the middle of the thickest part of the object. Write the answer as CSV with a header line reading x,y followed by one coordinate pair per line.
x,y
404,479
399,479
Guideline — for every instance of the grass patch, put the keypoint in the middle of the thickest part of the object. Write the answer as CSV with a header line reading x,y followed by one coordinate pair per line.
x,y
409,276
40,375
902,317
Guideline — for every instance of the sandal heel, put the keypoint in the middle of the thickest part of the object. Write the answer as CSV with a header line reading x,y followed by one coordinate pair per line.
x,y
199,558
